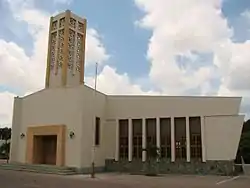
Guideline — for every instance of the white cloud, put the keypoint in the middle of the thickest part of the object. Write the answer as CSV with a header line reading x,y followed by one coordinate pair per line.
x,y
95,50
110,82
183,27
233,59
63,1
235,80
246,14
6,101
235,66
27,73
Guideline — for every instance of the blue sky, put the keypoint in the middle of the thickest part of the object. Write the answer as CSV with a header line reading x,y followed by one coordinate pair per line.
x,y
126,43
115,20
139,53
232,10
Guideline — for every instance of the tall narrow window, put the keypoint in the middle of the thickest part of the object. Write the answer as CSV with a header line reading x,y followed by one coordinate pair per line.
x,y
151,132
195,137
180,137
165,129
97,131
137,138
123,139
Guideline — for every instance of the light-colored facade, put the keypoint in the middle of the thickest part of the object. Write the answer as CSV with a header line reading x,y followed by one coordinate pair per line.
x,y
67,108
66,50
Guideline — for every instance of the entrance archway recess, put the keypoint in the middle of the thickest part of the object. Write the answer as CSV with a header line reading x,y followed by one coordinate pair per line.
x,y
47,130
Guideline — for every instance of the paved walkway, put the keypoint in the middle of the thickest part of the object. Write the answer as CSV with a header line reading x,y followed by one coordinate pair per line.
x,y
2,161
10,179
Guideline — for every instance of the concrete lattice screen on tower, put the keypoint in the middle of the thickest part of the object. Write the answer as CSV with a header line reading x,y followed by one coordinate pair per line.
x,y
66,50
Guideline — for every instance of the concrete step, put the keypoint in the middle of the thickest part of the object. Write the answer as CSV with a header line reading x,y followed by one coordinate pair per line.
x,y
48,169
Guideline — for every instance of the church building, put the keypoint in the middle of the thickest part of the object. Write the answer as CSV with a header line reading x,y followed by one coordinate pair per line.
x,y
70,124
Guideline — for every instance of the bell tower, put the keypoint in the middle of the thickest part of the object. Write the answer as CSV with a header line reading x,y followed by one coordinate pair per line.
x,y
66,50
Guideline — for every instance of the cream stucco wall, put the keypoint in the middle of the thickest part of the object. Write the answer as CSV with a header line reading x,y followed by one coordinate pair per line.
x,y
96,105
73,107
221,114
76,107
15,152
222,136
93,105
52,107
161,106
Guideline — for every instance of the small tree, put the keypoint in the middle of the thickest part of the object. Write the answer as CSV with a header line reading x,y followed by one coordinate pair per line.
x,y
5,148
244,145
1,133
5,134
153,155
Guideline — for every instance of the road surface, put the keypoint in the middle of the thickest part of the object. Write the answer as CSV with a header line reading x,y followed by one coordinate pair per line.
x,y
15,179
